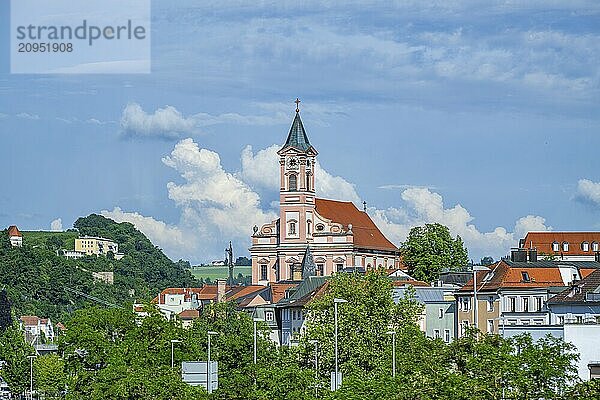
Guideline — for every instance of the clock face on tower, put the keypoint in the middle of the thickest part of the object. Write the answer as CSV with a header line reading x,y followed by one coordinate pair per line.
x,y
293,163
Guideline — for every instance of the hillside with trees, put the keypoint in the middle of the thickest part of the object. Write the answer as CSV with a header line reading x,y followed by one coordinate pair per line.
x,y
37,280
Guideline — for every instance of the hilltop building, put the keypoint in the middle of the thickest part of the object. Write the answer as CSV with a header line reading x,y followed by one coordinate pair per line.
x,y
339,235
91,245
15,236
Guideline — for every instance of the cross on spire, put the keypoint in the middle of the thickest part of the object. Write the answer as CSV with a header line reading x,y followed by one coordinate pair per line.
x,y
297,104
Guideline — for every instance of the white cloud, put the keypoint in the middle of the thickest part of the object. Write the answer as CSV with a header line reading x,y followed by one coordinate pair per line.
x,y
423,206
56,225
170,238
169,123
25,115
164,122
588,192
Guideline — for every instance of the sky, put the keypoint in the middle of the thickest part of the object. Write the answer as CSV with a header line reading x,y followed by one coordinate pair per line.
x,y
481,115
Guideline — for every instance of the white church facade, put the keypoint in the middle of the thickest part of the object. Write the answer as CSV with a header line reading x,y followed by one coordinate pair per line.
x,y
312,235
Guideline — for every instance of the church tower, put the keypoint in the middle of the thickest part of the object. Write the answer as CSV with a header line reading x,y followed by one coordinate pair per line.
x,y
297,190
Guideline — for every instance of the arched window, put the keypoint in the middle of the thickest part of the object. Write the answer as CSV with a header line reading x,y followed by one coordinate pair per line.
x,y
585,246
293,182
309,227
307,181
292,228
565,246
594,246
555,246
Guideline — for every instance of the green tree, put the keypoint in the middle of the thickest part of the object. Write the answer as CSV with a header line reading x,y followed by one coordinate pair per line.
x,y
14,351
6,319
50,377
430,249
487,261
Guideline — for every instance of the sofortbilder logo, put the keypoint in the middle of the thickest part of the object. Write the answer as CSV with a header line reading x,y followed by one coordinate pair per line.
x,y
92,36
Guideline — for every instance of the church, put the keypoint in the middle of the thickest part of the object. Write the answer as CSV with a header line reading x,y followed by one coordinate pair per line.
x,y
314,236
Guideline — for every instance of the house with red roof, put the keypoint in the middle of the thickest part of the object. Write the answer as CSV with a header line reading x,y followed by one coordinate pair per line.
x,y
564,246
15,236
338,234
515,293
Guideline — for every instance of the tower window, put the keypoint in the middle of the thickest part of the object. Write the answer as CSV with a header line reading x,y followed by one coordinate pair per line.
x,y
293,182
292,228
555,246
307,181
263,272
309,227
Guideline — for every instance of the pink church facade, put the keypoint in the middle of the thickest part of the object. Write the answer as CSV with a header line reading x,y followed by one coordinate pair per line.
x,y
339,236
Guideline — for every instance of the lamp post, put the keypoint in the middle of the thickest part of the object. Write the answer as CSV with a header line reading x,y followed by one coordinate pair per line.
x,y
208,376
336,301
31,375
173,341
475,311
315,343
393,333
255,320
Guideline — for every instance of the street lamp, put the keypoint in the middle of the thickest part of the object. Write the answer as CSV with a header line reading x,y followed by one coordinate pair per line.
x,y
173,341
393,333
208,376
337,301
475,313
31,375
315,343
255,320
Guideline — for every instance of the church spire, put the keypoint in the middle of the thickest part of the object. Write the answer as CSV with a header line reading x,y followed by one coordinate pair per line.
x,y
297,137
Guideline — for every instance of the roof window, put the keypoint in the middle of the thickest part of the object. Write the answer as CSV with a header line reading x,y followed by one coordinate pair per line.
x,y
555,246
585,246
525,276
565,246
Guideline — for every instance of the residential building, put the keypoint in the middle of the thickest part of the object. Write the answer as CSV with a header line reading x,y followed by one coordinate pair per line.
x,y
292,309
92,245
439,314
579,303
340,236
15,236
37,330
71,254
515,293
564,246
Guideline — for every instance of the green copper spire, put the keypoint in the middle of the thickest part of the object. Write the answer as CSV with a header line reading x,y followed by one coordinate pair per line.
x,y
297,137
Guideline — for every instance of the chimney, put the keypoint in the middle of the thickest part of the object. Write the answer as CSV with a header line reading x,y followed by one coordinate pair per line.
x,y
221,290
533,255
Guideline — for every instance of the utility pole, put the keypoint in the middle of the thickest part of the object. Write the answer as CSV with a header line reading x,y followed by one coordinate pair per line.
x,y
229,258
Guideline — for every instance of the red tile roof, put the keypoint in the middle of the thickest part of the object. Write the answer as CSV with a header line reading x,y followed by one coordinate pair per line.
x,y
189,314
14,231
542,241
366,233
278,290
502,275
30,320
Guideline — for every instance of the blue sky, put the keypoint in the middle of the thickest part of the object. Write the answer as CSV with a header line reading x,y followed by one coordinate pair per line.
x,y
479,115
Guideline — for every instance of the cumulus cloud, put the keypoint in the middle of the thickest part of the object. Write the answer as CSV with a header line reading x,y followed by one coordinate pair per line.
x,y
164,122
170,123
56,225
422,206
588,192
169,237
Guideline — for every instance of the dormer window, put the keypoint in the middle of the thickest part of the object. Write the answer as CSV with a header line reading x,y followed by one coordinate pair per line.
x,y
293,182
585,246
555,246
565,246
594,246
